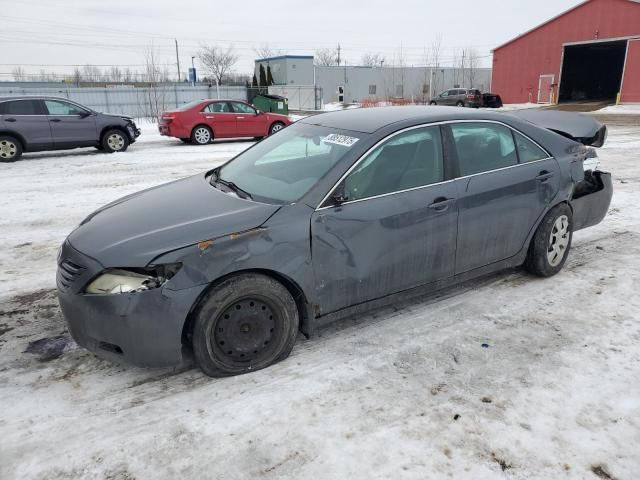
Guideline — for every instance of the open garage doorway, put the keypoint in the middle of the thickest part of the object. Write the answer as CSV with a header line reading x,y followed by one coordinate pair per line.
x,y
592,71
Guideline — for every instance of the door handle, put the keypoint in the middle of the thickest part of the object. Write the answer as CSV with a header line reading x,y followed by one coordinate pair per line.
x,y
210,118
9,119
441,204
56,120
544,176
240,118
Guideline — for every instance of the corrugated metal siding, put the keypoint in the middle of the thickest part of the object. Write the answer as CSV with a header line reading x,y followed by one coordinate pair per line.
x,y
631,80
518,65
128,101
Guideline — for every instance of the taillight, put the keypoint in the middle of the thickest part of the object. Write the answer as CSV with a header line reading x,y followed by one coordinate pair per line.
x,y
471,96
167,119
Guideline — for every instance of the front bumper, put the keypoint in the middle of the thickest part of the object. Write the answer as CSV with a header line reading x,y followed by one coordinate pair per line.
x,y
143,329
133,131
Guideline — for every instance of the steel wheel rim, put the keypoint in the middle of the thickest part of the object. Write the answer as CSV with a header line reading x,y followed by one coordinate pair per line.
x,y
115,141
202,135
245,331
8,149
276,128
558,241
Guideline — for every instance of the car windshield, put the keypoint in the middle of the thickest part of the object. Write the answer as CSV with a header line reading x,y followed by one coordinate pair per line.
x,y
283,167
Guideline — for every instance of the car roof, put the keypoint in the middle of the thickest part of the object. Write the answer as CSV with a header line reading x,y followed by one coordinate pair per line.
x,y
34,97
368,120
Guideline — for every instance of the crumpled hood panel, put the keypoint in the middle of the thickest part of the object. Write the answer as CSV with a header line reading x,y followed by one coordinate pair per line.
x,y
132,231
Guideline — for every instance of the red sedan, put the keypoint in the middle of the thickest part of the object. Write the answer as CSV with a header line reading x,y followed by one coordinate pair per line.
x,y
202,121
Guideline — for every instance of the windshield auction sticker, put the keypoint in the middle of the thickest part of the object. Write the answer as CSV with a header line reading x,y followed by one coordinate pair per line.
x,y
343,140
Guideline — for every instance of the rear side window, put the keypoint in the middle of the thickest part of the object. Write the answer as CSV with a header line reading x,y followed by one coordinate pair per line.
x,y
21,107
408,160
482,147
527,150
219,107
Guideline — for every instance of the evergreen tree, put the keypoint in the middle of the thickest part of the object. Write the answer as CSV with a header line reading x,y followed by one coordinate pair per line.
x,y
269,76
263,76
254,83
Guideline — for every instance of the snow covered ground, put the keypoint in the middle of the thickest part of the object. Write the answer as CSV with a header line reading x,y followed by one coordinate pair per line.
x,y
507,377
630,109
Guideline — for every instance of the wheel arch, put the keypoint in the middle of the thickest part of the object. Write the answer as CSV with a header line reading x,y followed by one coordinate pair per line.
x,y
113,127
17,136
298,294
213,132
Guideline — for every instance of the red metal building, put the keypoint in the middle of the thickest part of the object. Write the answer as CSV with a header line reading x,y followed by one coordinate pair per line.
x,y
590,52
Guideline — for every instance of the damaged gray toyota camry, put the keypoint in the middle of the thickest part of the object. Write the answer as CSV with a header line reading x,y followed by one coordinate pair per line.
x,y
338,213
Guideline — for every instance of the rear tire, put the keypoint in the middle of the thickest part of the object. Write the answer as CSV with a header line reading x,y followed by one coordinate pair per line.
x,y
10,149
201,135
460,104
246,323
114,141
551,243
432,103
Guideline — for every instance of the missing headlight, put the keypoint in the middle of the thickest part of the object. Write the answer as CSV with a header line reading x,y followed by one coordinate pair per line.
x,y
123,280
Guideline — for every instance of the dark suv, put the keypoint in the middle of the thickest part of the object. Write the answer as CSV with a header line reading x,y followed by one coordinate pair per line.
x,y
459,97
32,124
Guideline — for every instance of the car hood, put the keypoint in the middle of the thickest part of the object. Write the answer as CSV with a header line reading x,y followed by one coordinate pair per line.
x,y
134,230
575,126
115,115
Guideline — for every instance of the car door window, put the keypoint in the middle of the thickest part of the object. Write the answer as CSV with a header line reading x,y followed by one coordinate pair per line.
x,y
408,160
243,108
20,107
217,107
55,107
444,94
527,150
482,147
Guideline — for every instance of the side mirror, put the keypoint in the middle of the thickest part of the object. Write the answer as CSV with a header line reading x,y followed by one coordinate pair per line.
x,y
258,112
85,114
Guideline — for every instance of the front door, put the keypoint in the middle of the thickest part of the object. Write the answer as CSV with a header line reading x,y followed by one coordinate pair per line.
x,y
70,124
248,122
221,119
504,186
545,88
395,228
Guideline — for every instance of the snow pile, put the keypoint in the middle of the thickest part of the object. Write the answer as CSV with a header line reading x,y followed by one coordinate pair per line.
x,y
630,109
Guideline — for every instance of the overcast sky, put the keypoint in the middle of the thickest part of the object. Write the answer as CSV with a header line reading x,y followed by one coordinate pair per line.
x,y
56,34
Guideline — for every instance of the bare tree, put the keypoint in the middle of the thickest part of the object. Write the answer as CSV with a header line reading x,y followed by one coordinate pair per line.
x,y
76,77
115,74
326,57
217,61
373,59
19,75
155,94
91,73
265,51
127,76
435,58
472,61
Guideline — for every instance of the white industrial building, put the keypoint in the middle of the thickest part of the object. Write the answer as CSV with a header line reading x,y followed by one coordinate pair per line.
x,y
297,78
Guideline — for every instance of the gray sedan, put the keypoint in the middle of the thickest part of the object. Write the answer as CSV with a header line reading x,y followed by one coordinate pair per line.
x,y
336,214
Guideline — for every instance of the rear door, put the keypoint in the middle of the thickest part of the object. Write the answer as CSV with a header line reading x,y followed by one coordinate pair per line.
x,y
71,125
505,183
28,119
248,122
396,230
221,119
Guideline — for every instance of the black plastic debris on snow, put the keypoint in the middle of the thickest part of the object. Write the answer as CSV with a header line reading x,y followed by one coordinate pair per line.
x,y
48,348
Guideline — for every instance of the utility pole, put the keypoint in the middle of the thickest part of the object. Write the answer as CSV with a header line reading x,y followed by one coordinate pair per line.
x,y
338,59
177,59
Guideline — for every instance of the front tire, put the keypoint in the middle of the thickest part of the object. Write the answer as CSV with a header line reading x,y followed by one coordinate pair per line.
x,y
114,141
276,127
432,103
460,104
201,135
246,323
10,149
551,243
